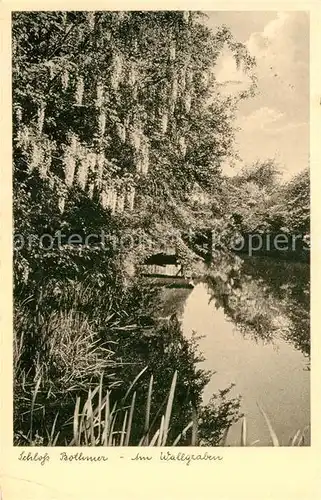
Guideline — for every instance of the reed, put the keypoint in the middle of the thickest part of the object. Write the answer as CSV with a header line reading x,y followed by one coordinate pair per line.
x,y
101,421
102,426
297,440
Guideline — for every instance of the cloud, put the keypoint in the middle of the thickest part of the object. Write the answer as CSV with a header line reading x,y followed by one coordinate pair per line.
x,y
268,120
231,79
275,123
281,50
288,127
282,54
261,118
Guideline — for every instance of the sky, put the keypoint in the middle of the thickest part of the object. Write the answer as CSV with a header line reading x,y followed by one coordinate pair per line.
x,y
274,123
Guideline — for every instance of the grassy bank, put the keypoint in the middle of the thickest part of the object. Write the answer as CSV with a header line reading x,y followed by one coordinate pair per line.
x,y
78,346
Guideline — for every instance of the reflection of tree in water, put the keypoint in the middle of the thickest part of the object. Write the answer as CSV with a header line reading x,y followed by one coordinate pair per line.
x,y
263,297
289,284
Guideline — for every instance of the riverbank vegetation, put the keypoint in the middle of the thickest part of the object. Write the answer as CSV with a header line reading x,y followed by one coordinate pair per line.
x,y
120,128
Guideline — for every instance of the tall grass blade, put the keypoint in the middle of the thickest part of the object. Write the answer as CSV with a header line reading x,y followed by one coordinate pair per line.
x,y
112,426
134,382
33,401
90,422
100,397
161,430
76,423
52,433
301,440
56,439
107,420
195,428
295,438
183,433
169,409
130,419
273,435
123,431
154,438
148,406
243,432
158,413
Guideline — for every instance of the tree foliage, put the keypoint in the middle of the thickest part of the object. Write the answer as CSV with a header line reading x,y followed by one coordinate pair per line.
x,y
258,201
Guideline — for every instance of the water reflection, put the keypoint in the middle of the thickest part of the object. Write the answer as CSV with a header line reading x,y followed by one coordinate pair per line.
x,y
264,297
253,318
271,373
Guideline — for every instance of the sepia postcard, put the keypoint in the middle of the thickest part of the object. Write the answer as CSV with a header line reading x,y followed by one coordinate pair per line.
x,y
159,214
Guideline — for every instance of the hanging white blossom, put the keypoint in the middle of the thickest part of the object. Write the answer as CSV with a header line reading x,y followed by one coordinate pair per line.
x,y
91,20
120,203
189,78
174,89
182,78
100,169
188,102
41,117
135,92
182,145
91,187
18,114
35,157
99,93
82,173
116,71
205,79
80,86
65,78
174,93
145,157
51,181
172,50
131,197
132,80
73,143
70,159
133,74
103,199
138,162
164,122
109,196
102,122
92,159
134,137
69,166
61,203
24,137
104,196
113,201
186,16
121,132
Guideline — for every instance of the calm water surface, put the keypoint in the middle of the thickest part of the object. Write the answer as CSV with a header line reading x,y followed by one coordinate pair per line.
x,y
253,316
